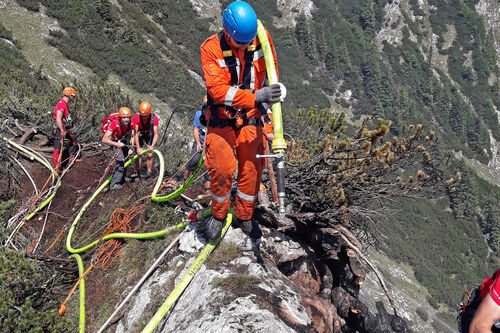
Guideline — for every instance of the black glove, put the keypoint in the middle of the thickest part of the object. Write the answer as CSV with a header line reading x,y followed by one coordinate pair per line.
x,y
270,94
263,107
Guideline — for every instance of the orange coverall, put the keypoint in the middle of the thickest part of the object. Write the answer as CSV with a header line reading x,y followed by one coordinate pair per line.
x,y
221,156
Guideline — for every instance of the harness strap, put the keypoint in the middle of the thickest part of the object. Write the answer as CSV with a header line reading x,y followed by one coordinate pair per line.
x,y
229,58
127,135
221,123
247,83
150,128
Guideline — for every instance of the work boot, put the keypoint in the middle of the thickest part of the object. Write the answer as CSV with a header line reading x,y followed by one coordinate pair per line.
x,y
213,228
249,228
116,187
148,175
136,175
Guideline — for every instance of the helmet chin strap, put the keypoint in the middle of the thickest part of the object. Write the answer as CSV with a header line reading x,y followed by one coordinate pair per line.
x,y
226,35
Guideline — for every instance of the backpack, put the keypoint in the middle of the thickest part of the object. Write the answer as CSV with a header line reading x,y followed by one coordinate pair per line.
x,y
106,121
468,307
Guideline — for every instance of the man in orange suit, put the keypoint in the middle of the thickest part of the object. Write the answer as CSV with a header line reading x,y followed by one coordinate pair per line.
x,y
235,77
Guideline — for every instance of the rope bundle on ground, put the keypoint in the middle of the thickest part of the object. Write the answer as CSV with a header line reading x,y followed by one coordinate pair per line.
x,y
119,221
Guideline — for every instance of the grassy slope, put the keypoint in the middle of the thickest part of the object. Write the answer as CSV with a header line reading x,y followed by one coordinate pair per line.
x,y
31,29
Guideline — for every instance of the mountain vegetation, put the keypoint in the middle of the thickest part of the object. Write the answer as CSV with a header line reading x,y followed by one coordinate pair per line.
x,y
336,58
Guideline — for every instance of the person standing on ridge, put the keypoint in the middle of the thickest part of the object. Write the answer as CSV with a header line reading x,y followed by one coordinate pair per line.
x,y
145,125
199,132
118,136
234,70
62,123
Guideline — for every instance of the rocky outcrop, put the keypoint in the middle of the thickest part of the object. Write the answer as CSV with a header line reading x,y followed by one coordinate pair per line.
x,y
282,287
490,11
291,9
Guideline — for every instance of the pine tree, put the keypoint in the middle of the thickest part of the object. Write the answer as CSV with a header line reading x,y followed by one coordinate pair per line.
x,y
344,59
301,31
371,80
457,114
368,18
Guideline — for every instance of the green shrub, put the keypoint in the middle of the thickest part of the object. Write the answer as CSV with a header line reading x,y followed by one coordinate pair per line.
x,y
240,285
24,303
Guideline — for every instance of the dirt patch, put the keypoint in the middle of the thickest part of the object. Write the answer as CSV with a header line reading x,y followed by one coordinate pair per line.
x,y
104,287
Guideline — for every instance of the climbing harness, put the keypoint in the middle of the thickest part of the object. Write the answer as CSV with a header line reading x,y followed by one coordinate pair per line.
x,y
150,130
236,117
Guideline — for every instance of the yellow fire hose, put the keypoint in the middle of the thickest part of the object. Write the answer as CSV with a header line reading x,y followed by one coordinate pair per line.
x,y
186,279
150,235
279,144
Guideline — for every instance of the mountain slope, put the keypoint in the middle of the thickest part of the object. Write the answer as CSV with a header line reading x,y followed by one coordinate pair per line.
x,y
429,62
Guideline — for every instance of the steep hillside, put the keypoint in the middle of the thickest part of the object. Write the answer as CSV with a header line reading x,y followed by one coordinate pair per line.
x,y
428,62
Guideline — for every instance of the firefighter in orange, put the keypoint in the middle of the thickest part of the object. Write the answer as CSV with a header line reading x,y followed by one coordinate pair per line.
x,y
235,74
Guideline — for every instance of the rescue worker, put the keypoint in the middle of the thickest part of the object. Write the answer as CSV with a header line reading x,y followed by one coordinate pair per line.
x,y
62,123
118,136
486,318
199,132
234,70
145,125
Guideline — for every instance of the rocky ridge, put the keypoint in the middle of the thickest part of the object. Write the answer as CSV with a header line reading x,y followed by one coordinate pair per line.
x,y
280,288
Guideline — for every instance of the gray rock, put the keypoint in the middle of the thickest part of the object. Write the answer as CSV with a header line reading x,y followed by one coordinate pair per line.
x,y
190,241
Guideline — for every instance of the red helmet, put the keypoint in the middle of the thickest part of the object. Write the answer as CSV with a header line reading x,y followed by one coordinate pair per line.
x,y
144,109
124,112
69,91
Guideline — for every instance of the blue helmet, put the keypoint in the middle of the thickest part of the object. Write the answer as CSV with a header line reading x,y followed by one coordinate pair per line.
x,y
240,21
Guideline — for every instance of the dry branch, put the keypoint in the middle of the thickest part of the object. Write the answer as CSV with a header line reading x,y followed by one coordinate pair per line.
x,y
377,273
27,135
